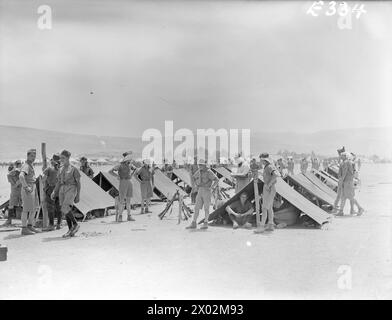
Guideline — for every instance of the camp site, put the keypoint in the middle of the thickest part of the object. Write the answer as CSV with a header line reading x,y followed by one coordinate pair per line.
x,y
195,150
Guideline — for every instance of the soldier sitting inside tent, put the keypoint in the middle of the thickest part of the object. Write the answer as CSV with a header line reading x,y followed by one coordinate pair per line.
x,y
240,212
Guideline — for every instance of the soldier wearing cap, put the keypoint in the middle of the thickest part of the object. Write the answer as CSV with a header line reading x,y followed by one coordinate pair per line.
x,y
341,153
270,174
290,165
347,185
68,190
146,175
16,188
49,180
85,168
29,194
192,169
205,181
124,171
304,165
242,176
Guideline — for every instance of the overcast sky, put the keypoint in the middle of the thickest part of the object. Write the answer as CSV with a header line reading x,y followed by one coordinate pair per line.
x,y
266,66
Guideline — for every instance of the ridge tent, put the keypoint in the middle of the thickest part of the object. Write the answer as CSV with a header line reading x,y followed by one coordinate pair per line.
x,y
327,180
320,184
92,197
333,171
287,193
108,181
299,180
222,172
165,187
182,176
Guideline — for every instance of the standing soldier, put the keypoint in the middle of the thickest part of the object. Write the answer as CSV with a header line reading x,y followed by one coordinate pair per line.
x,y
348,191
270,174
124,174
68,190
325,164
341,158
85,167
290,165
29,194
146,174
242,176
16,188
50,175
304,165
205,180
315,164
193,168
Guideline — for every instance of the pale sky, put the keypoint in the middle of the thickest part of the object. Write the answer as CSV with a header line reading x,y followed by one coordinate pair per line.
x,y
266,66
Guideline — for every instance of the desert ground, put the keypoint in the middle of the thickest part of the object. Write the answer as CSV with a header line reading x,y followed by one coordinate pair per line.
x,y
158,259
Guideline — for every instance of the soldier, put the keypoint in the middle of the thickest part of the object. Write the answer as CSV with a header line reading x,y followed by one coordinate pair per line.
x,y
242,176
85,167
348,190
341,153
124,174
68,190
290,165
16,188
29,194
304,165
146,174
240,212
205,180
325,164
270,174
193,168
315,164
50,175
280,165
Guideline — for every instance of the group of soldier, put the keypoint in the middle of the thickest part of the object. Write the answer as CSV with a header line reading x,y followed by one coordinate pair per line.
x,y
346,188
61,187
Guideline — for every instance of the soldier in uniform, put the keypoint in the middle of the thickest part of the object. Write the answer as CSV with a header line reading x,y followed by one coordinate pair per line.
x,y
29,194
146,174
270,174
304,165
290,165
242,176
341,153
50,175
348,191
85,167
124,174
193,168
68,190
205,180
16,188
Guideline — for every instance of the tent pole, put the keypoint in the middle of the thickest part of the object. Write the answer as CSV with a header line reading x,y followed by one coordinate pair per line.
x,y
45,217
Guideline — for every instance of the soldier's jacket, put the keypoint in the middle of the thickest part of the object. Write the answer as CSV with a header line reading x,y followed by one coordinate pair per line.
x,y
347,171
87,170
13,179
204,178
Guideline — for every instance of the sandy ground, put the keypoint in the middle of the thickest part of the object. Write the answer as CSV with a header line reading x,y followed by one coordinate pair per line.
x,y
154,259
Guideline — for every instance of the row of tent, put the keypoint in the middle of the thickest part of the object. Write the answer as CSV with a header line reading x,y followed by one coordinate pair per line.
x,y
313,193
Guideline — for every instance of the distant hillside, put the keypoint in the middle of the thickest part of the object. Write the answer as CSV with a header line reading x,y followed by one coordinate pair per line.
x,y
14,141
364,141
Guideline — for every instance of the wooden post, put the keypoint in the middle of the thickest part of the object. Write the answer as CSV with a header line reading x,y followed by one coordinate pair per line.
x,y
43,154
45,218
255,175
